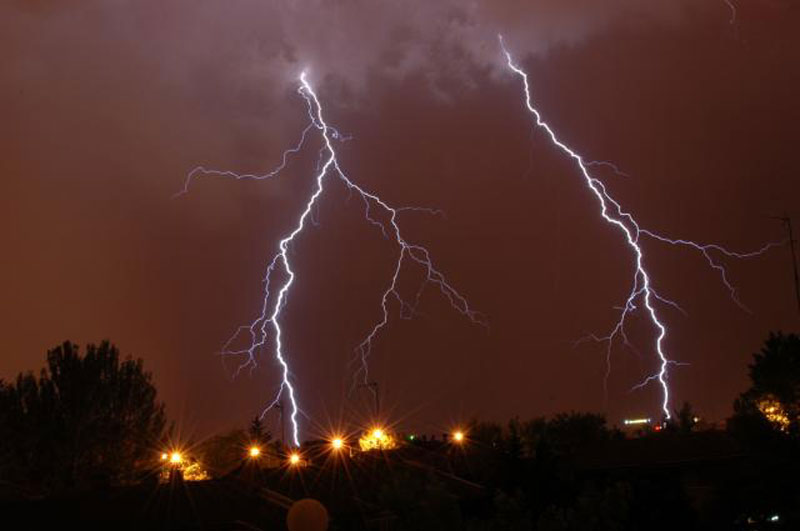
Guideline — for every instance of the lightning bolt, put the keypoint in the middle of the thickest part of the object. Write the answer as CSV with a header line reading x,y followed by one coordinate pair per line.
x,y
732,7
642,290
388,225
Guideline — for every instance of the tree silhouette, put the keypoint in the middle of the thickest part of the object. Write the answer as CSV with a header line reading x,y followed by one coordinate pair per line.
x,y
223,452
683,420
85,420
570,432
257,433
774,397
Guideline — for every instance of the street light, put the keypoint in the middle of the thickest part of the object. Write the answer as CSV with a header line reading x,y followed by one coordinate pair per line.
x,y
294,458
458,436
337,443
254,451
377,438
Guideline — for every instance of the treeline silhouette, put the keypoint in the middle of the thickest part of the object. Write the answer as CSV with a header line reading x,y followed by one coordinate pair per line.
x,y
85,421
92,420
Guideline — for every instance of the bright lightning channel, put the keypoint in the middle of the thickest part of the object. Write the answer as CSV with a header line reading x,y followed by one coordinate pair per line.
x,y
642,289
732,7
407,252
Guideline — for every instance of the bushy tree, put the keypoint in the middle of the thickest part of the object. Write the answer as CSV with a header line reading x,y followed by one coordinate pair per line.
x,y
569,432
85,420
773,400
486,433
258,435
223,452
421,501
682,422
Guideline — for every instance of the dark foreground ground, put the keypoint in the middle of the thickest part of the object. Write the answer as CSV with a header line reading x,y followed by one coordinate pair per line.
x,y
704,481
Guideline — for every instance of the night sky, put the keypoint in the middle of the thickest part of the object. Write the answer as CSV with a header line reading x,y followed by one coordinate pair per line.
x,y
106,106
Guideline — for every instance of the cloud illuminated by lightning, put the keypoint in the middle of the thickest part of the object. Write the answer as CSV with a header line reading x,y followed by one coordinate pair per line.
x,y
642,290
377,212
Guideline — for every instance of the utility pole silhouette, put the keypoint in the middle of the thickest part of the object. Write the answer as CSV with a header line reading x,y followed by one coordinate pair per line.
x,y
373,386
787,223
279,406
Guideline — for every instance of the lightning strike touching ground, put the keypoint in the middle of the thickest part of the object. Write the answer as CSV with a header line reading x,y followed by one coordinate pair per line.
x,y
642,291
408,253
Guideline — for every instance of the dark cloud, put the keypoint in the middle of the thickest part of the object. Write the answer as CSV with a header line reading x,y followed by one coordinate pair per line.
x,y
253,40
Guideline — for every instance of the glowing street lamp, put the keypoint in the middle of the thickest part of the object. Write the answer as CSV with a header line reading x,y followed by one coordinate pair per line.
x,y
175,458
337,443
164,456
254,451
294,459
377,438
458,436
